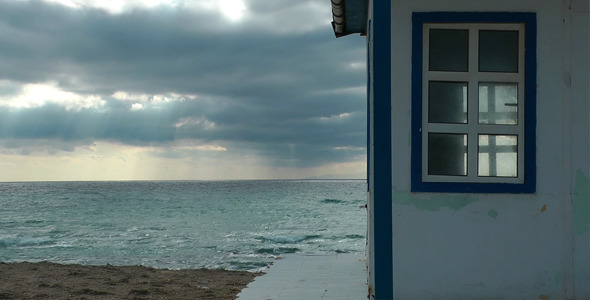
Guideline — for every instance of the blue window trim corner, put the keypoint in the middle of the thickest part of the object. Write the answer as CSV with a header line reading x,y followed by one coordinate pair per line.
x,y
382,172
529,19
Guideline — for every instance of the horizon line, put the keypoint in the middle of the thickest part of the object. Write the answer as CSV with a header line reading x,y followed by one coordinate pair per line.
x,y
180,180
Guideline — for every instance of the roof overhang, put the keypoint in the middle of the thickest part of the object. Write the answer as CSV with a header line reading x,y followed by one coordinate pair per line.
x,y
349,16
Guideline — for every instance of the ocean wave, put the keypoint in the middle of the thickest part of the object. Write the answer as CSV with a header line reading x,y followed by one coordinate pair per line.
x,y
354,236
288,239
245,265
25,241
346,237
34,221
277,251
332,201
9,224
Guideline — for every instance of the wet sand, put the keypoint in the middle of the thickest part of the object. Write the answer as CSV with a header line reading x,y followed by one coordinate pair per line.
x,y
56,281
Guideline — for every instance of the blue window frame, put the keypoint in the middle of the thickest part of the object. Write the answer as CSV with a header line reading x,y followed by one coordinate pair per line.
x,y
473,102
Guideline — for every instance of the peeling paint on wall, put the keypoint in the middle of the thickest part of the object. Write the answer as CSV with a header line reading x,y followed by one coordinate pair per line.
x,y
435,203
492,213
582,203
558,278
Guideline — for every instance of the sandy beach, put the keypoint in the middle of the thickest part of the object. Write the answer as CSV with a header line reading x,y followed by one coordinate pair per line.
x,y
56,281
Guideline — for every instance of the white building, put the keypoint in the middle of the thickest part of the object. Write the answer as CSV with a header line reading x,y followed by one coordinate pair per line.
x,y
479,148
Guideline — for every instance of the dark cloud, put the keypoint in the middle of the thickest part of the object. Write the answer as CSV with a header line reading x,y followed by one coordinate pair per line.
x,y
270,84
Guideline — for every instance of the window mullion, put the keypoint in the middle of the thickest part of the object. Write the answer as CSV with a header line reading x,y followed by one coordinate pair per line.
x,y
472,105
521,104
448,76
499,129
425,78
499,77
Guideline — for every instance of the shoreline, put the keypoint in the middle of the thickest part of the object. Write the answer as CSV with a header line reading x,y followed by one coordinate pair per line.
x,y
47,280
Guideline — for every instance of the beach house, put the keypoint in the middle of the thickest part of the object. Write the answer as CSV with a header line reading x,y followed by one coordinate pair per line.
x,y
478,147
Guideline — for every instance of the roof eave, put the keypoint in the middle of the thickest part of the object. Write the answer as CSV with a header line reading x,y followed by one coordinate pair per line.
x,y
349,16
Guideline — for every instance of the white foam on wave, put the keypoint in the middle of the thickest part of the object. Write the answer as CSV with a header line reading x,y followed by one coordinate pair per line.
x,y
20,241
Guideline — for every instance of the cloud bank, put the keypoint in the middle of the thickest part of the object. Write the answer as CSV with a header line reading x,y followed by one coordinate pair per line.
x,y
263,82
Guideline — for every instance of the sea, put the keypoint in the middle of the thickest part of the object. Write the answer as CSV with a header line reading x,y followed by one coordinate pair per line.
x,y
232,225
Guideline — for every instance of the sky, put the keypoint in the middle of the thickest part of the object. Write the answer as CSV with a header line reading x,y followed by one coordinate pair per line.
x,y
179,90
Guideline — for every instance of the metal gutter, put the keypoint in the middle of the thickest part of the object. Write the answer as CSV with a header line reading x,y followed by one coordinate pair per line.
x,y
349,16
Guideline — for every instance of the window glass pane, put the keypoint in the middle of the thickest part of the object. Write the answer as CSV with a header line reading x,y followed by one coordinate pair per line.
x,y
497,156
448,50
447,102
447,154
498,103
498,51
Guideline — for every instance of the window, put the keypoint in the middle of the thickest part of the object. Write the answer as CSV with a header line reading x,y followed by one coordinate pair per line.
x,y
473,104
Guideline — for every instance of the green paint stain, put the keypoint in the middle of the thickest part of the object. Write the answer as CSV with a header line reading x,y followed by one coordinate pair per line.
x,y
435,203
492,213
582,203
558,278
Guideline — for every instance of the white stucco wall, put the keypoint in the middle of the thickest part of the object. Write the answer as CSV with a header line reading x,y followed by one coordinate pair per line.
x,y
501,246
580,124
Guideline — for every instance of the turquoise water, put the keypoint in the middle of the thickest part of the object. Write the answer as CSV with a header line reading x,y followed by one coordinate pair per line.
x,y
236,225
